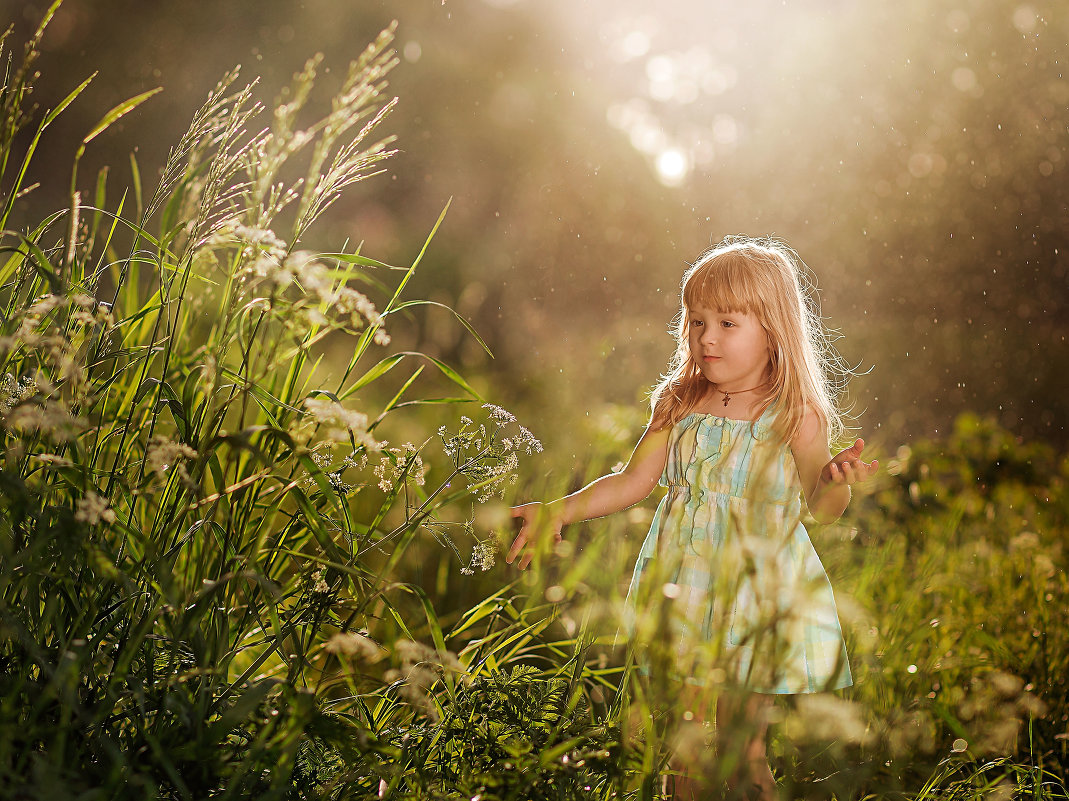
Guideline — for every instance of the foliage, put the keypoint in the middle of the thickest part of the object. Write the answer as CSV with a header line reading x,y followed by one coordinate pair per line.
x,y
506,735
188,514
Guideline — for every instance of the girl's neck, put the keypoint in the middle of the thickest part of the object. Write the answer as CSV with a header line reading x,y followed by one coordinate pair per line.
x,y
741,405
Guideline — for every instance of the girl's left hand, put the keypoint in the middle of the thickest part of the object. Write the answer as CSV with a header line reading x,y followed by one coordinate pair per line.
x,y
846,466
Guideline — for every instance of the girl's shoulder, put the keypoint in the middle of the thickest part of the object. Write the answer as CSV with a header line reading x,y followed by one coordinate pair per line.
x,y
811,428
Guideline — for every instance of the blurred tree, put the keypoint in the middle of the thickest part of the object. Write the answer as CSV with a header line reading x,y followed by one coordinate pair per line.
x,y
913,154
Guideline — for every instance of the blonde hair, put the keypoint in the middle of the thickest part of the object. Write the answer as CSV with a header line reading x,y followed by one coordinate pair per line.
x,y
765,278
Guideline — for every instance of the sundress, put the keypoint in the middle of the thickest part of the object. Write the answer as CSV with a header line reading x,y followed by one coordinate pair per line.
x,y
728,555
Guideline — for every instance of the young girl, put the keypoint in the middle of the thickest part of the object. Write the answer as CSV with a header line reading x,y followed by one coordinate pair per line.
x,y
739,433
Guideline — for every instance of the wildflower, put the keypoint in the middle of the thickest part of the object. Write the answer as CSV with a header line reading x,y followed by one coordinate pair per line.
x,y
421,667
1024,541
319,583
340,422
416,653
163,453
484,555
37,311
357,645
261,238
398,463
14,391
488,460
93,509
50,419
500,416
53,459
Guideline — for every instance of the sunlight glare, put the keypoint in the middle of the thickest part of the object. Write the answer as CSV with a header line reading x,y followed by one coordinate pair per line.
x,y
672,167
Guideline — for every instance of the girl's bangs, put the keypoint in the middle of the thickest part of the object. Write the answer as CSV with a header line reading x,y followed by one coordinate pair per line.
x,y
724,284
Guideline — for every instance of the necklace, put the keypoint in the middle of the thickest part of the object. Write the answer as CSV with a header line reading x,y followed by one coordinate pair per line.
x,y
727,395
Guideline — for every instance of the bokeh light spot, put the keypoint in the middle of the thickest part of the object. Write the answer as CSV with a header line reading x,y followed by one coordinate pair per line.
x,y
1025,18
635,45
725,129
672,166
964,79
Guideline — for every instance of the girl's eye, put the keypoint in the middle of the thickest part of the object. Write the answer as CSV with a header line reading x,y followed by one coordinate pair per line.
x,y
727,324
696,322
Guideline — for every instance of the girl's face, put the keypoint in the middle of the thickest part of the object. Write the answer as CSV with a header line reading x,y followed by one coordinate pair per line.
x,y
730,348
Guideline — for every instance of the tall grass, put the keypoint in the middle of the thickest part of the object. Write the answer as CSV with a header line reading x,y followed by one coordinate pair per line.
x,y
190,515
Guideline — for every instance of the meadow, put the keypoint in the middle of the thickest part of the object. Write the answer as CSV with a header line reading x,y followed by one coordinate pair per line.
x,y
232,566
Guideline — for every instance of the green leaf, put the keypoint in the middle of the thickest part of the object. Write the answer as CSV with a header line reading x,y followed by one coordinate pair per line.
x,y
50,116
119,111
449,309
373,374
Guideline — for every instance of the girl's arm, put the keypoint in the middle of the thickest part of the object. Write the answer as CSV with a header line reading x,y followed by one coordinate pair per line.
x,y
825,480
601,497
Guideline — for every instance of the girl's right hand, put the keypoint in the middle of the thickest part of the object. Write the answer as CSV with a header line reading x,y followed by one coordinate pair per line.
x,y
537,521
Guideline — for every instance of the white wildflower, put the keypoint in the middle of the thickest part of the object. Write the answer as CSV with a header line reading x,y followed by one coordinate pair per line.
x,y
340,422
38,310
500,416
357,645
486,458
162,454
53,459
484,555
416,653
309,272
14,391
93,509
398,463
262,238
50,419
1026,540
421,667
318,583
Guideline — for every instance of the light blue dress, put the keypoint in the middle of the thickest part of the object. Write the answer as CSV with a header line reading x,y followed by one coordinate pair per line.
x,y
727,552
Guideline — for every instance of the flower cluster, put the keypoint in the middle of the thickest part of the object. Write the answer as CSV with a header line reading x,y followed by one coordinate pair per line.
x,y
340,422
317,583
323,458
51,332
421,667
162,454
399,464
487,456
93,509
483,555
14,391
49,419
269,263
356,645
